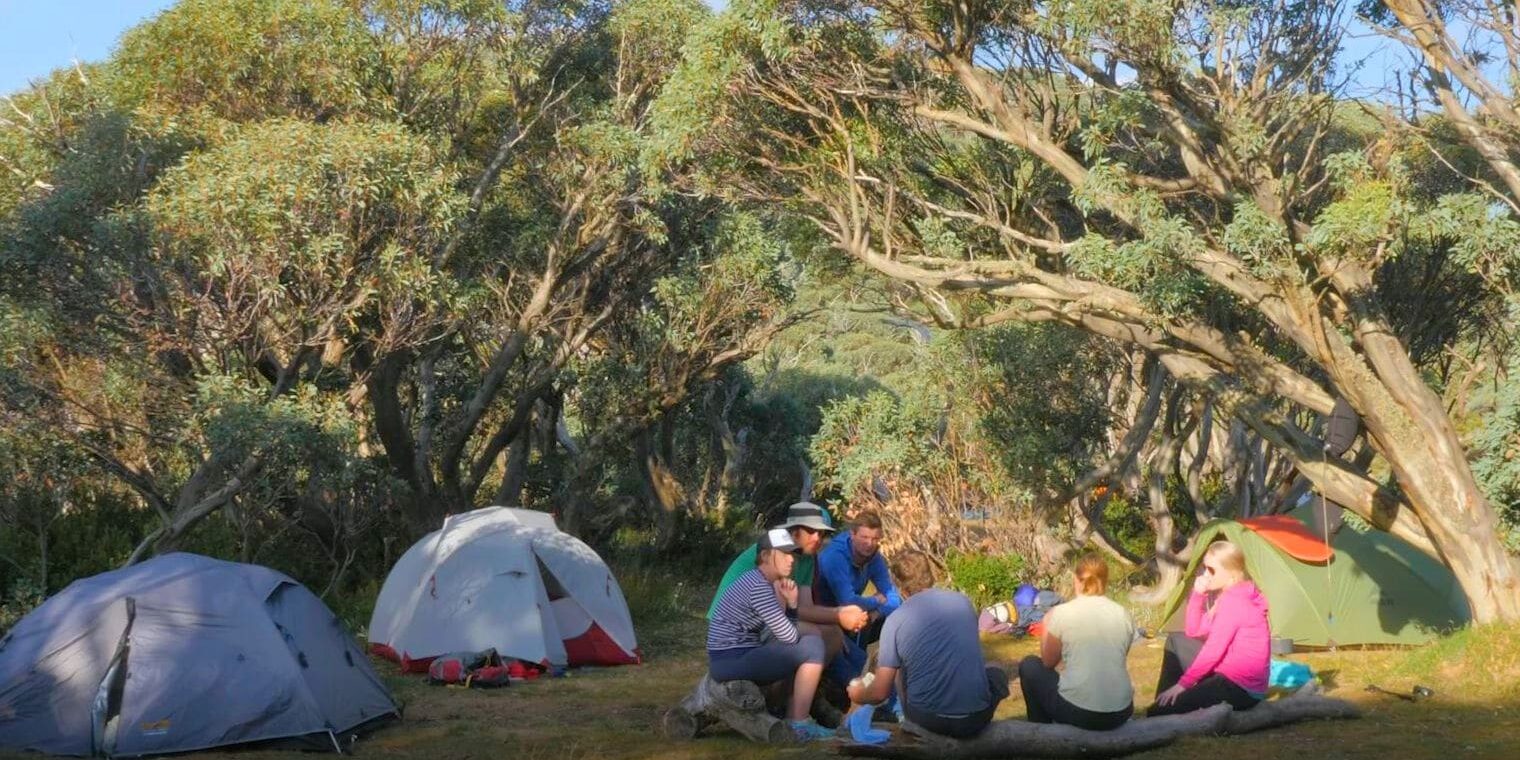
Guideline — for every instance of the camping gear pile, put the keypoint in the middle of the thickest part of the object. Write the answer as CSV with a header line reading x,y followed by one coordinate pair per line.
x,y
1024,615
1361,588
506,580
184,653
479,670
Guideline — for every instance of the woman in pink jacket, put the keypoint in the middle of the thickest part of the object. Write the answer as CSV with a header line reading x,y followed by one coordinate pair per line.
x,y
1226,651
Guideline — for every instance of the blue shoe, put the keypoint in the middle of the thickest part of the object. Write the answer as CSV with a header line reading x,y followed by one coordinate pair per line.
x,y
809,731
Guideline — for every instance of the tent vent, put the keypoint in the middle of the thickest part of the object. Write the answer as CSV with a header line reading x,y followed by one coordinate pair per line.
x,y
301,658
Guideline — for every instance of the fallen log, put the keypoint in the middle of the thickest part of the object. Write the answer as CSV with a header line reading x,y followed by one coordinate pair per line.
x,y
1308,703
740,705
1019,738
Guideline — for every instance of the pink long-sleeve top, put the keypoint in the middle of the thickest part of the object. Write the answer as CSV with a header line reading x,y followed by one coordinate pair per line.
x,y
1237,639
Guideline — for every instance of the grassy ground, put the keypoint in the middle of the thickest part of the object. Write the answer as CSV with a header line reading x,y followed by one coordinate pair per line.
x,y
615,713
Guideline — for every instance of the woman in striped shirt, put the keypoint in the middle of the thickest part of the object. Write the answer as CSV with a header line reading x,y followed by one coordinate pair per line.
x,y
750,637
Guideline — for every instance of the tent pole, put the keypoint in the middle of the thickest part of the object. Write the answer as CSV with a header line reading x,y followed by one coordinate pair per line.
x,y
1324,524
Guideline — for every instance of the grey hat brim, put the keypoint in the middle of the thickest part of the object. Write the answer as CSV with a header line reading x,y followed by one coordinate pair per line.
x,y
814,523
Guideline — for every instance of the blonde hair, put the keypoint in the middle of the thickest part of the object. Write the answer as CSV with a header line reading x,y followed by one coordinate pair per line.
x,y
1230,557
1092,575
912,571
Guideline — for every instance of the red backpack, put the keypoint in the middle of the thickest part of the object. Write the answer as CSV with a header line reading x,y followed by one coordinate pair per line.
x,y
482,670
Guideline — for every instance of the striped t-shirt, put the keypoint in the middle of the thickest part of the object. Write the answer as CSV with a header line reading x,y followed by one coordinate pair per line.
x,y
745,610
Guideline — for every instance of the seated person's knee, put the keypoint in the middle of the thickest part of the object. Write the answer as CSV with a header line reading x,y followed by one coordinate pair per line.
x,y
812,649
1030,664
833,638
997,682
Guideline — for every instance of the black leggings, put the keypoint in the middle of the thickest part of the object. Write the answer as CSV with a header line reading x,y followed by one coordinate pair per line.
x,y
1044,703
1180,652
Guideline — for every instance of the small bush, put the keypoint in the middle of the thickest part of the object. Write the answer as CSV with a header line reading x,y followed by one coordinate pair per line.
x,y
985,578
356,606
22,597
1125,522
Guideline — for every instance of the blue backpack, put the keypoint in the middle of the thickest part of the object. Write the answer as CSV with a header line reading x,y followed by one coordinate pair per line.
x,y
1288,675
1025,596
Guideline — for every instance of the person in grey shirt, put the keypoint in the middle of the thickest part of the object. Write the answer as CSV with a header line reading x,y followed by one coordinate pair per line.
x,y
931,653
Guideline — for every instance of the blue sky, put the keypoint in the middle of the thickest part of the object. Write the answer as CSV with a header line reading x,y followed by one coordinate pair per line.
x,y
37,36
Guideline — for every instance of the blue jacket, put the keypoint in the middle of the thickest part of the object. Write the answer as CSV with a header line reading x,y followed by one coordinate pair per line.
x,y
843,581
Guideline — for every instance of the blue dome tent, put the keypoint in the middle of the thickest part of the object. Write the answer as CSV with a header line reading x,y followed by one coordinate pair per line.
x,y
183,653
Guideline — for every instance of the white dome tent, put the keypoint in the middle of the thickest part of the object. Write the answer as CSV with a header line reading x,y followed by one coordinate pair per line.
x,y
505,579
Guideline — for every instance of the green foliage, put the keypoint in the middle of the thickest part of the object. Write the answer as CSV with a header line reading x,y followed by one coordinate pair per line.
x,y
298,430
986,578
1125,522
67,245
1496,443
877,433
311,226
1258,240
693,114
1485,239
732,283
217,62
39,119
1139,24
1039,393
22,597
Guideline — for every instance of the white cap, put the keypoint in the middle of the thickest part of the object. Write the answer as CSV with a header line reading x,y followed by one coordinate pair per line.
x,y
779,538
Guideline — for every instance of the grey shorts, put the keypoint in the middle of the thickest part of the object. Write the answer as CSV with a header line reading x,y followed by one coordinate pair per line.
x,y
767,663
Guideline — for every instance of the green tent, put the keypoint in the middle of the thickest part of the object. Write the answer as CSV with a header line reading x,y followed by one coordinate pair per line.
x,y
1376,590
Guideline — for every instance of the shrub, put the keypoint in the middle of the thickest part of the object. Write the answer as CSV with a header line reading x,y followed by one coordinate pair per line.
x,y
986,578
22,597
1126,522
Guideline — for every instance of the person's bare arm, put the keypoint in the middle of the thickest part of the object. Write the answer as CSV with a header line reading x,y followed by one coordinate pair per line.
x,y
850,618
879,689
1050,650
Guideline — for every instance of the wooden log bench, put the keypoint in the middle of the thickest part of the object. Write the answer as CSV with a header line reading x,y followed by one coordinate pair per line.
x,y
1020,738
740,705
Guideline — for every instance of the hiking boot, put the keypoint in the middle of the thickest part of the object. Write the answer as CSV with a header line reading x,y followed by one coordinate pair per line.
x,y
810,731
826,713
834,693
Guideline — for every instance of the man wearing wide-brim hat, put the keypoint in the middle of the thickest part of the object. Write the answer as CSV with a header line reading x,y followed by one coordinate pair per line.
x,y
808,524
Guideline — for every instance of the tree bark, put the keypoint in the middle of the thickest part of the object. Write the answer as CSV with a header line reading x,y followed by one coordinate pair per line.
x,y
740,705
728,448
186,515
1087,527
515,474
663,493
1407,423
1170,563
1122,459
1202,510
